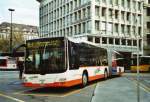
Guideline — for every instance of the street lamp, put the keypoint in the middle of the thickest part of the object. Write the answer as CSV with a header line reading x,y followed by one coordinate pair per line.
x,y
10,42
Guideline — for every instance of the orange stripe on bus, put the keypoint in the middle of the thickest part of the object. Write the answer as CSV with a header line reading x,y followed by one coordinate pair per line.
x,y
62,84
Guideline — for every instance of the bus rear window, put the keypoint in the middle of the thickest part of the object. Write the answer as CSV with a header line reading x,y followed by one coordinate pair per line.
x,y
3,62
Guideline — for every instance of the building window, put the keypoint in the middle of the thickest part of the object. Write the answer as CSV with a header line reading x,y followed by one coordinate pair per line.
x,y
111,41
109,27
75,29
71,6
129,42
128,4
139,31
75,1
149,1
89,12
104,1
117,41
122,3
128,16
84,13
134,43
103,12
148,11
79,14
116,2
148,39
97,10
134,5
128,30
67,8
123,41
116,28
96,25
88,26
116,14
79,28
104,40
97,0
71,30
134,18
83,27
122,16
97,40
148,25
110,2
71,18
79,2
75,15
139,6
122,29
103,27
110,13
134,31
90,39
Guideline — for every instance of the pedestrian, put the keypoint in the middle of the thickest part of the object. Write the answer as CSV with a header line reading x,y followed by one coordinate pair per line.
x,y
21,68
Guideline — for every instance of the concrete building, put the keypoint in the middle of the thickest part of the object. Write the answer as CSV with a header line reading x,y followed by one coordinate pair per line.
x,y
146,27
113,24
27,31
107,22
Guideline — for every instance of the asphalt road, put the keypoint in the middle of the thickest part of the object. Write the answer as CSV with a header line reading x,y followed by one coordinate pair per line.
x,y
11,89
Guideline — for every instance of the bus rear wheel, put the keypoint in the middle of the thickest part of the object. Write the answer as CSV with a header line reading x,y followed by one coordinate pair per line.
x,y
84,79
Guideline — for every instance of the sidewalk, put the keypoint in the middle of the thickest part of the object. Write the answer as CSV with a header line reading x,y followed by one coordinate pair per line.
x,y
119,90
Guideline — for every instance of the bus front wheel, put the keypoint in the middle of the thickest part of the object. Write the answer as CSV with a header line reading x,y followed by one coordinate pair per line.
x,y
84,79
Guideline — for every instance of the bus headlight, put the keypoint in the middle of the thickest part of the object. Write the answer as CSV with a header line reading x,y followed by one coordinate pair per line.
x,y
62,79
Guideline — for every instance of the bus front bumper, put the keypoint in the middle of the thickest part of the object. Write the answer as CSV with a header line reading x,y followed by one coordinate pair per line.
x,y
55,84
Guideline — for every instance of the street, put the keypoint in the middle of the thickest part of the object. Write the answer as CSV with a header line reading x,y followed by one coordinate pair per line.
x,y
11,90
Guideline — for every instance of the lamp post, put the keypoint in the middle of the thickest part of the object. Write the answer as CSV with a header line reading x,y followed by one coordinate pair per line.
x,y
10,42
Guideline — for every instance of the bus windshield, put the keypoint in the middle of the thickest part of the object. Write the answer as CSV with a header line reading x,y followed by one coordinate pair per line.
x,y
46,57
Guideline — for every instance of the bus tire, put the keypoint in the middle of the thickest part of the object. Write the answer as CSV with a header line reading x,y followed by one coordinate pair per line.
x,y
84,79
105,74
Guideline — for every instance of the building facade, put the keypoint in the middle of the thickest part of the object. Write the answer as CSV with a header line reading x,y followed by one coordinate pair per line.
x,y
146,27
115,24
26,31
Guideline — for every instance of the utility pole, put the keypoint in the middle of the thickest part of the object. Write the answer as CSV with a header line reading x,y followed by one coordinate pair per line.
x,y
10,42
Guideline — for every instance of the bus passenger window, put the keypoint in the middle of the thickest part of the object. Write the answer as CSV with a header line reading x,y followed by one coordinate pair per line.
x,y
73,57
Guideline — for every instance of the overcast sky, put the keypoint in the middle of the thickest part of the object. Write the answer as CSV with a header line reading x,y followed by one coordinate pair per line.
x,y
26,11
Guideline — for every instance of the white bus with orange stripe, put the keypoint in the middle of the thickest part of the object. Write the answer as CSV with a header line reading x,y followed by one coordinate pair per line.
x,y
60,62
8,63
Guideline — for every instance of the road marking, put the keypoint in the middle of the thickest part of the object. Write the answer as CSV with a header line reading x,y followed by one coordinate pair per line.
x,y
12,98
142,86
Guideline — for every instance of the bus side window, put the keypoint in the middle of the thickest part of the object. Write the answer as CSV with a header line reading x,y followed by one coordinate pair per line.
x,y
74,56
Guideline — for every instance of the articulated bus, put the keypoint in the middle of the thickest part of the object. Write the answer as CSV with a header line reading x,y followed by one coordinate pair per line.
x,y
60,62
144,64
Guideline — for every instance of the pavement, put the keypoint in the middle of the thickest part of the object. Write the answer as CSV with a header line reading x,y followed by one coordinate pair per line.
x,y
117,89
120,89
